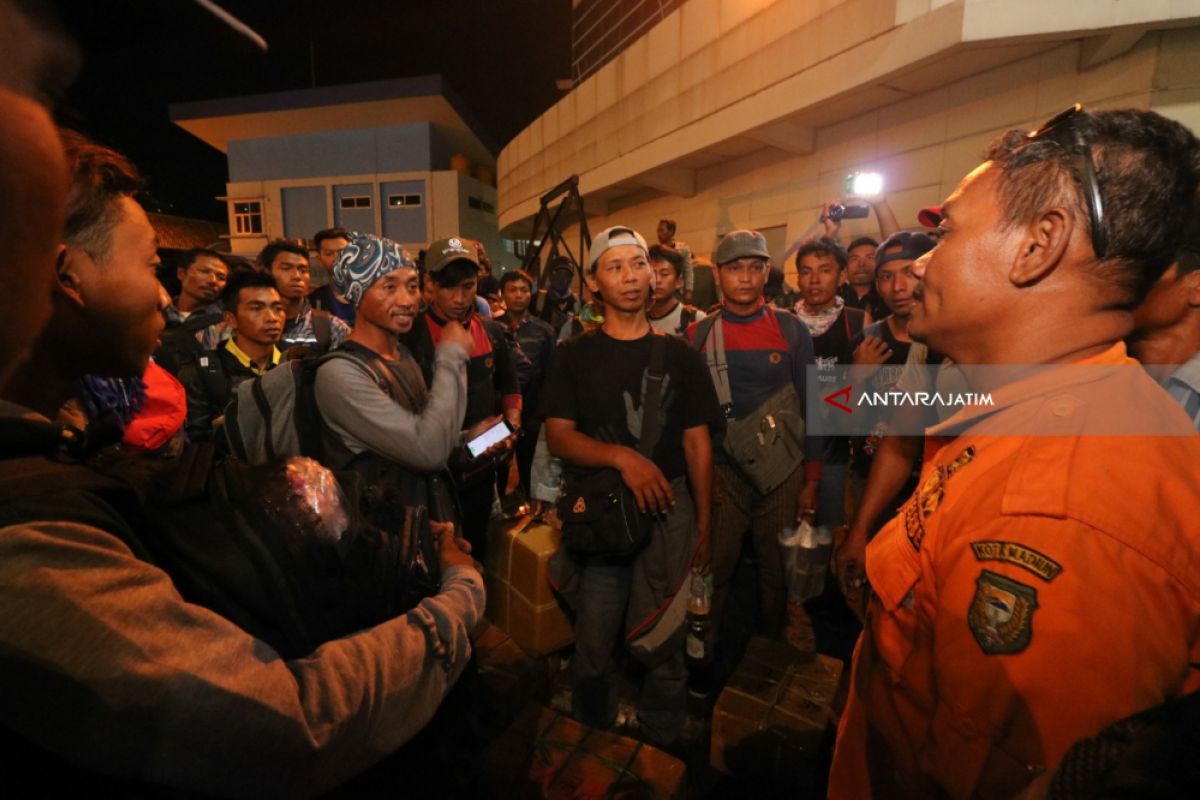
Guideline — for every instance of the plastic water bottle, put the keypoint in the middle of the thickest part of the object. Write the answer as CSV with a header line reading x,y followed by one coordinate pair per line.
x,y
699,608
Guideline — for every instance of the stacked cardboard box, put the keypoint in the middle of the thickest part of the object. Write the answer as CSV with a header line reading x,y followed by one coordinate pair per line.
x,y
773,716
507,678
520,598
548,755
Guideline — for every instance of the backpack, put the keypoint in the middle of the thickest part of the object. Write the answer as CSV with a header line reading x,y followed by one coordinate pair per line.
x,y
246,542
275,415
180,345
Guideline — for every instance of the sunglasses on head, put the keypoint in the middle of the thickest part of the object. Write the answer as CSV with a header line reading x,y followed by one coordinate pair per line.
x,y
1064,130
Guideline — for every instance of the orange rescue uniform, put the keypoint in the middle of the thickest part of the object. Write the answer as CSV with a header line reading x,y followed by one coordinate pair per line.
x,y
1034,589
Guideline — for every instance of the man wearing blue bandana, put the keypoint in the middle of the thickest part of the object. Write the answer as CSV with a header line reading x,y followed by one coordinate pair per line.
x,y
400,435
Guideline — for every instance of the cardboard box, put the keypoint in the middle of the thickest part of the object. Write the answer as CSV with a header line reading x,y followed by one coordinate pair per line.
x,y
771,720
520,598
507,677
546,754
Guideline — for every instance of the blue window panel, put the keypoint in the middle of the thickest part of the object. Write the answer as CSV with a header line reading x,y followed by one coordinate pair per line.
x,y
303,211
404,223
360,219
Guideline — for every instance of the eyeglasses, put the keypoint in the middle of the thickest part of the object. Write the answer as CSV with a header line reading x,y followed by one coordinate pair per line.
x,y
1063,130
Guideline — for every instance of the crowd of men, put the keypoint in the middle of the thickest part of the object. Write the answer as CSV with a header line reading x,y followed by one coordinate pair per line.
x,y
1021,592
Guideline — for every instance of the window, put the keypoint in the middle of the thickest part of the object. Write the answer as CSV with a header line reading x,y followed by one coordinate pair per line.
x,y
480,204
247,217
357,201
403,200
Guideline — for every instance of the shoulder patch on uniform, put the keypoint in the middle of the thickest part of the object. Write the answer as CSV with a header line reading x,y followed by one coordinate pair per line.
x,y
928,496
1020,555
1001,614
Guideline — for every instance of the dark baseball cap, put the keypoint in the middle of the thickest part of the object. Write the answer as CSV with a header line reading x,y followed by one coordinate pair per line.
x,y
904,246
741,244
448,250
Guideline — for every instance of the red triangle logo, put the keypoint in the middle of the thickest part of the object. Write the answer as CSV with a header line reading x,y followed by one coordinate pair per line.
x,y
845,395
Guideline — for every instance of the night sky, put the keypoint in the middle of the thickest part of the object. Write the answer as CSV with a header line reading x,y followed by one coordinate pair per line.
x,y
501,58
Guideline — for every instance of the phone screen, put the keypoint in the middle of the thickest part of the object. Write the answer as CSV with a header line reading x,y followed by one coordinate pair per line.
x,y
497,433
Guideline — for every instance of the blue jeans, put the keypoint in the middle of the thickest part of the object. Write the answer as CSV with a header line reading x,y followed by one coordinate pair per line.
x,y
662,707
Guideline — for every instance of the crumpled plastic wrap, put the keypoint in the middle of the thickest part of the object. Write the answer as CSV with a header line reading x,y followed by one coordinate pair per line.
x,y
317,492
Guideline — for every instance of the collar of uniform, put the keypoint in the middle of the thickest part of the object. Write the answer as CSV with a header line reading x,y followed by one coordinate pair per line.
x,y
1035,386
244,359
733,316
1035,484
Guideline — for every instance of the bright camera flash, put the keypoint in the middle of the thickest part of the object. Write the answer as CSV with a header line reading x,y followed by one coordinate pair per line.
x,y
866,184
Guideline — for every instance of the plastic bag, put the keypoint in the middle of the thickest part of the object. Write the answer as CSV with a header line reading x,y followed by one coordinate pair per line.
x,y
806,552
319,494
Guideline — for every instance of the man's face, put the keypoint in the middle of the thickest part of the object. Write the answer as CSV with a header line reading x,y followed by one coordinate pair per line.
x,y
860,266
818,276
455,302
392,302
622,277
329,251
895,281
665,234
516,295
290,271
1168,302
666,282
742,280
560,280
964,286
33,174
259,316
123,300
204,279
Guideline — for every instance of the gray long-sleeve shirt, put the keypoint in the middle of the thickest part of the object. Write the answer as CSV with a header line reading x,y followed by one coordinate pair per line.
x,y
365,418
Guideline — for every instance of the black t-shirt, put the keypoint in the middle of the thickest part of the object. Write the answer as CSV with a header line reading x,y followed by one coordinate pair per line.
x,y
596,381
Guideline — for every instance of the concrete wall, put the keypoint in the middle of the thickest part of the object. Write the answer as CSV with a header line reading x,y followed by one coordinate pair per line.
x,y
923,145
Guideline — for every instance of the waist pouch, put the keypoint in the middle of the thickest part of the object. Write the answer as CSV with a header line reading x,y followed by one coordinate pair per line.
x,y
768,444
600,515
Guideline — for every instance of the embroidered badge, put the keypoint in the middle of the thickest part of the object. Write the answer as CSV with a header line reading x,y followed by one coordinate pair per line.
x,y
928,497
580,506
775,358
1039,564
487,362
1001,614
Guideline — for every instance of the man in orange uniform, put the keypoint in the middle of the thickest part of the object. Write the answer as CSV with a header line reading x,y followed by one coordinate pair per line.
x,y
1043,580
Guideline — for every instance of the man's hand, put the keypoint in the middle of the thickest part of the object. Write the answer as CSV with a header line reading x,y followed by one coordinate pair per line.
x,y
831,226
806,503
850,565
499,447
452,551
455,332
872,351
649,486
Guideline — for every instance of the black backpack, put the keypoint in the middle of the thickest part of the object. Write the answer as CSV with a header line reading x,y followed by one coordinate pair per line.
x,y
232,537
179,344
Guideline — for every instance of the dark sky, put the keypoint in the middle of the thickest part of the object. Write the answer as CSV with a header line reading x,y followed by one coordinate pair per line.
x,y
141,55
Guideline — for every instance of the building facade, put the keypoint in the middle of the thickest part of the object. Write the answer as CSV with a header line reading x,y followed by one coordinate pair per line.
x,y
750,113
396,158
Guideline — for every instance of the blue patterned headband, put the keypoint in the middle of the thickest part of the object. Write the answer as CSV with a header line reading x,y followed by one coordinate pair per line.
x,y
366,259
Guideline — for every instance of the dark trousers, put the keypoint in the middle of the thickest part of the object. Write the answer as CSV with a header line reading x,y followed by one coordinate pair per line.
x,y
662,706
475,502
